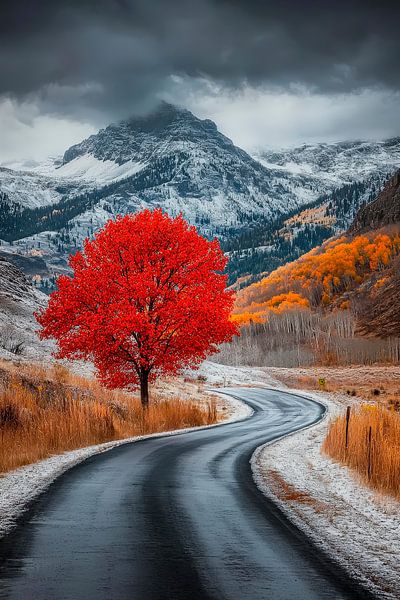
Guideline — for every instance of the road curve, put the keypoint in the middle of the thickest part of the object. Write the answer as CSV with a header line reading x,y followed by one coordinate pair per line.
x,y
175,518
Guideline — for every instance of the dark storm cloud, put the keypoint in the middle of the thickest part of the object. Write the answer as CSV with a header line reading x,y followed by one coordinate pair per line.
x,y
114,57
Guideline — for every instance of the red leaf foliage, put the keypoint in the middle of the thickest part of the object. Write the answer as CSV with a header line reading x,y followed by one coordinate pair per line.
x,y
146,296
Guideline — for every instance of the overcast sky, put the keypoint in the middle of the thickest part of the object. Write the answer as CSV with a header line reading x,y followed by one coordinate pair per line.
x,y
270,73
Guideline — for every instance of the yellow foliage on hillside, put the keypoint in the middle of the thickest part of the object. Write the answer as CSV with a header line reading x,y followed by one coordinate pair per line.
x,y
318,277
244,318
287,301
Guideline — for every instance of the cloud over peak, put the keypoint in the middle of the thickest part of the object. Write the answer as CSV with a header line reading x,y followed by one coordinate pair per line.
x,y
94,63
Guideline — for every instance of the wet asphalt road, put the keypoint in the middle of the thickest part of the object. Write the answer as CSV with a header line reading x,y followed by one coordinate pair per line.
x,y
175,518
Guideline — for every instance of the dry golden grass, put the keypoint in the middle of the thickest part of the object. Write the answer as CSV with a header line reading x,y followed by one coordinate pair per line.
x,y
373,448
46,412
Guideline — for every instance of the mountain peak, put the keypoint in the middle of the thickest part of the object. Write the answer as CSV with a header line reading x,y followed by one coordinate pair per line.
x,y
160,117
166,116
136,138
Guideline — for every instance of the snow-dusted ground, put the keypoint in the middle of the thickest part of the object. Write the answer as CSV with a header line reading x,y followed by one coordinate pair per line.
x,y
217,374
19,488
357,527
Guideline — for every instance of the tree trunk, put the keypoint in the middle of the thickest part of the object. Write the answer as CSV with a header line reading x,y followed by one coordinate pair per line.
x,y
144,389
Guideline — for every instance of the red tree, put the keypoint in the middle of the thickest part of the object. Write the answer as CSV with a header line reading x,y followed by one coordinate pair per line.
x,y
146,298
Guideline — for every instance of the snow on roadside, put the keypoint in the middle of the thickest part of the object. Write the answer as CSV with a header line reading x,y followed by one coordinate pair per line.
x,y
217,374
358,528
19,488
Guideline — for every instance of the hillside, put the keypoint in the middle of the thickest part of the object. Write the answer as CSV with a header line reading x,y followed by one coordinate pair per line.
x,y
326,277
380,313
325,306
332,274
18,301
266,244
335,181
383,211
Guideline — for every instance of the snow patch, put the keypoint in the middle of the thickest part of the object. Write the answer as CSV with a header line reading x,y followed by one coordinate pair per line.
x,y
218,374
89,168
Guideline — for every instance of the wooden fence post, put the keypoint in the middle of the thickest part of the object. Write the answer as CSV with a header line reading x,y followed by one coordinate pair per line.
x,y
347,426
369,451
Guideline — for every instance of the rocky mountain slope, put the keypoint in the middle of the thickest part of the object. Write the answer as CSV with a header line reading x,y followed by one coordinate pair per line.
x,y
379,314
385,210
170,159
18,301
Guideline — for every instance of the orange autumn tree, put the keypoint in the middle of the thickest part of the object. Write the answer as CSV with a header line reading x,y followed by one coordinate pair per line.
x,y
146,298
318,277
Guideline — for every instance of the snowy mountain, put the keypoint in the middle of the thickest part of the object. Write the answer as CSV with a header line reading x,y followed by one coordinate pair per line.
x,y
170,159
333,165
341,175
175,160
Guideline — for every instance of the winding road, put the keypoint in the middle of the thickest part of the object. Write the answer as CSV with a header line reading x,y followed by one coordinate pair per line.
x,y
176,517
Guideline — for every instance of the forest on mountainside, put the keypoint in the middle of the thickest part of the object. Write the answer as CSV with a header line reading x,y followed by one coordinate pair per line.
x,y
264,244
337,304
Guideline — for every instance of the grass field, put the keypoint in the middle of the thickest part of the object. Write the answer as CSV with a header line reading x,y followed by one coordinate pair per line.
x,y
48,411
